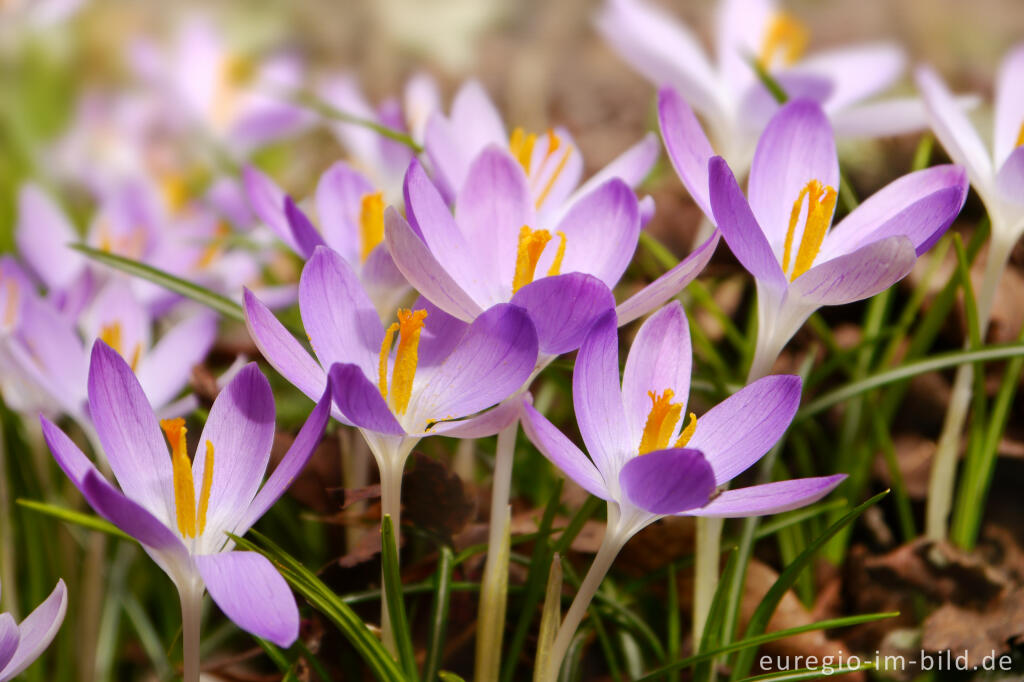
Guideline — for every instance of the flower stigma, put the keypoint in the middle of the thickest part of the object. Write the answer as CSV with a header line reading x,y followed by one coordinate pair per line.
x,y
786,36
821,201
661,422
409,326
188,516
371,224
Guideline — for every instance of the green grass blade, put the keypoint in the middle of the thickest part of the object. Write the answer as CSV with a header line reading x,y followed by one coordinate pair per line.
x,y
78,518
439,613
395,598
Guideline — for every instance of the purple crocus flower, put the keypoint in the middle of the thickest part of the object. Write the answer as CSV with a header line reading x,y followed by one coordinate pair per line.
x,y
492,251
725,90
552,163
647,458
782,235
351,218
181,510
22,643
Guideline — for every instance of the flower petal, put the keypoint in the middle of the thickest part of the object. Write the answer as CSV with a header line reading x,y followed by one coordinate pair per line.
x,y
659,359
796,147
339,199
740,228
8,639
1010,178
857,275
281,350
669,284
250,591
341,321
563,308
769,498
737,432
481,425
306,236
267,201
668,481
43,234
1009,104
361,401
562,453
128,431
165,369
240,428
857,73
687,146
631,166
597,398
37,631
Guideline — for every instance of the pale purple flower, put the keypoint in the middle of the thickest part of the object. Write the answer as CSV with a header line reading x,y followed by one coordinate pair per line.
x,y
181,510
782,234
724,89
997,176
551,161
492,250
22,643
20,16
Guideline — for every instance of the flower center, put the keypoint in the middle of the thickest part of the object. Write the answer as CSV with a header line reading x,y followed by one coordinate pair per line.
x,y
528,253
371,224
662,420
821,201
409,326
189,517
521,145
786,37
112,335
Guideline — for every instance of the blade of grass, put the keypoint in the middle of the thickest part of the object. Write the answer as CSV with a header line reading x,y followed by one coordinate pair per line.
x,y
78,518
395,599
673,626
439,613
311,101
551,617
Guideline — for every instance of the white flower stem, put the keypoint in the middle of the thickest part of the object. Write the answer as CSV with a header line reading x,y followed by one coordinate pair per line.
x,y
391,505
706,562
494,583
942,483
191,596
611,544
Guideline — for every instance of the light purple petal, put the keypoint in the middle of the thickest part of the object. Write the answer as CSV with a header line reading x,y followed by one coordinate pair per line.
x,y
795,148
857,73
631,166
737,432
267,202
361,401
597,398
342,322
491,207
563,453
440,335
423,271
563,308
240,428
129,432
56,350
883,118
493,359
601,230
290,466
740,228
659,359
1009,104
770,498
43,234
758,105
668,481
8,639
1010,178
306,236
37,631
166,368
687,146
669,284
250,591
339,200
476,118
740,30
919,206
869,270
281,350
482,425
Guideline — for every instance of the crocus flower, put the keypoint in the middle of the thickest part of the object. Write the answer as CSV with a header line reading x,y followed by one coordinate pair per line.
x,y
782,235
492,250
22,643
180,510
351,221
648,459
998,177
725,89
552,163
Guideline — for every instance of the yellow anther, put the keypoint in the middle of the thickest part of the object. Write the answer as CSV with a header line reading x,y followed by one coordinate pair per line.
x,y
661,421
410,324
238,70
11,302
556,264
687,433
204,495
371,224
214,247
785,35
821,201
521,145
184,490
111,334
531,246
554,175
1020,136
385,353
175,191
